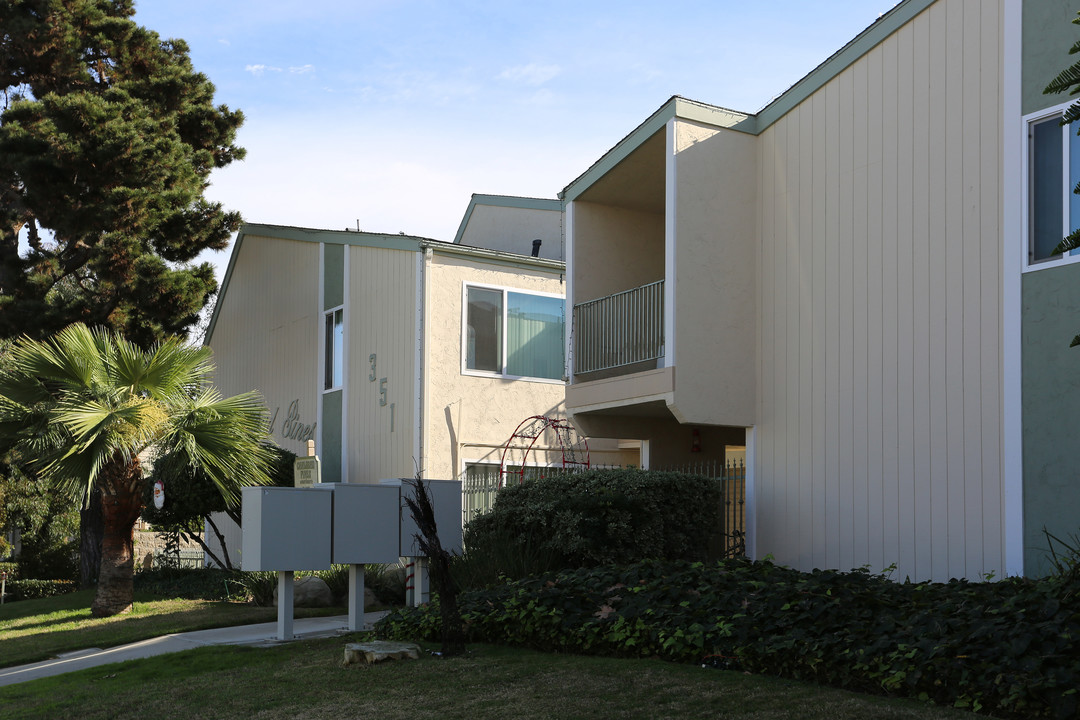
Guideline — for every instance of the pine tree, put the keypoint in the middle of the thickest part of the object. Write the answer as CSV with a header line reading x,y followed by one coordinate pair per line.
x,y
107,139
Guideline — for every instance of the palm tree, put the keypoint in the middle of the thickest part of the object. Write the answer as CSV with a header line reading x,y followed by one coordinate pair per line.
x,y
87,405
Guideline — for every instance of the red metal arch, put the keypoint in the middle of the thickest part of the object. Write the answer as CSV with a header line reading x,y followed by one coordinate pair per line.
x,y
528,432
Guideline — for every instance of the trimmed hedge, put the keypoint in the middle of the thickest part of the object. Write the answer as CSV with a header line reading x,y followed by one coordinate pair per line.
x,y
1010,647
188,583
607,516
34,589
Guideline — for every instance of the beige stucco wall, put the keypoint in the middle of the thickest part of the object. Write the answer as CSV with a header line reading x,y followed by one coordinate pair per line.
x,y
469,418
615,248
513,229
879,433
715,269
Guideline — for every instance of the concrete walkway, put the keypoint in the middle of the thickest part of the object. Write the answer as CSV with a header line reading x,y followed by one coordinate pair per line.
x,y
260,634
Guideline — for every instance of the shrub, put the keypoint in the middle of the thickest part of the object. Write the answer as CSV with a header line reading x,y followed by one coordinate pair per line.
x,y
258,586
189,583
605,516
1007,647
337,580
34,589
496,551
12,570
387,582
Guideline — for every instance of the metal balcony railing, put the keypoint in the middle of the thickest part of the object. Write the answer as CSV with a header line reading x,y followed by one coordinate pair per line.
x,y
621,329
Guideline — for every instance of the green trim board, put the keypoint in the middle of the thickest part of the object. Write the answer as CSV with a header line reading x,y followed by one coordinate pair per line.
x,y
1050,409
333,273
496,257
753,124
330,427
675,107
336,237
224,286
510,201
841,60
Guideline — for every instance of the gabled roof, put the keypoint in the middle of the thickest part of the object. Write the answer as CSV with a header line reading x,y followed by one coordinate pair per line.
x,y
753,124
355,238
510,201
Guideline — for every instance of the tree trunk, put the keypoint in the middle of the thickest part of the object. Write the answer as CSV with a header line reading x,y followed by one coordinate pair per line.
x,y
91,530
121,503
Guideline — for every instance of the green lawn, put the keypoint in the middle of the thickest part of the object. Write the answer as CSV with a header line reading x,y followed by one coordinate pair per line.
x,y
306,679
32,630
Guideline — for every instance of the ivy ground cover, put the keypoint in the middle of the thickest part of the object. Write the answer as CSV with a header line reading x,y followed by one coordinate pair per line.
x,y
1008,648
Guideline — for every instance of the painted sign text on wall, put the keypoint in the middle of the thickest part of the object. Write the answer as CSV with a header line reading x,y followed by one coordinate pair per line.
x,y
293,427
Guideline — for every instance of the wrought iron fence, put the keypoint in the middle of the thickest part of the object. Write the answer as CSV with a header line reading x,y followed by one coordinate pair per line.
x,y
620,329
481,483
732,476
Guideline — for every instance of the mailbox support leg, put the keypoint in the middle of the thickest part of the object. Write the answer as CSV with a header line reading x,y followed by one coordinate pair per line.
x,y
356,597
285,605
421,593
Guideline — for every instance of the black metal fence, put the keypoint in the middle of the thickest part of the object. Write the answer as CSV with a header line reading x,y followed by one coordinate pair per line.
x,y
481,483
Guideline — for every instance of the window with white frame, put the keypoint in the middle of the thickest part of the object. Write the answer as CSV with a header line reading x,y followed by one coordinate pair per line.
x,y
1053,171
334,350
513,333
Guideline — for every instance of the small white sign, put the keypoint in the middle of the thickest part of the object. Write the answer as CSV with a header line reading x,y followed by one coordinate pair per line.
x,y
159,494
306,471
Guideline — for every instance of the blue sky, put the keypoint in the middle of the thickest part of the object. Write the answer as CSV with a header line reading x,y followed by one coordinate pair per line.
x,y
391,113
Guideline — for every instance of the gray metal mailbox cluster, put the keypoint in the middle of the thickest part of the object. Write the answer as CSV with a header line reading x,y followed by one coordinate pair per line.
x,y
289,529
310,528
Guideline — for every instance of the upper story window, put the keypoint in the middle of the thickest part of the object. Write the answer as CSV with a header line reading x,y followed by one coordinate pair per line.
x,y
334,350
1053,170
512,333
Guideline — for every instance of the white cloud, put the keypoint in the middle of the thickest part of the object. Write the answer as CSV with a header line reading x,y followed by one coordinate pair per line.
x,y
542,97
258,70
223,41
302,69
531,74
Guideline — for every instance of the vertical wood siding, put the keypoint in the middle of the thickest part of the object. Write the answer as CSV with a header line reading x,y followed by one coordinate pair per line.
x,y
880,324
380,317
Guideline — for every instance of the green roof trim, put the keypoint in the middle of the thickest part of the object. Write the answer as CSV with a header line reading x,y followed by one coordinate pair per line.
x,y
335,237
675,107
497,257
510,201
841,60
686,109
285,232
224,285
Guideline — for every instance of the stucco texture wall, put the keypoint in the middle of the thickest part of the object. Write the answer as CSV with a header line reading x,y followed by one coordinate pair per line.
x,y
1047,36
619,249
715,271
469,418
513,229
1051,410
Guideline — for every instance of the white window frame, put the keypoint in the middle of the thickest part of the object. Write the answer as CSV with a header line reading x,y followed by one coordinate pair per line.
x,y
1067,187
328,384
503,375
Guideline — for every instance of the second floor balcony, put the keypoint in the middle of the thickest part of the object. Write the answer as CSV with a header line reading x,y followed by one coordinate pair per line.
x,y
619,334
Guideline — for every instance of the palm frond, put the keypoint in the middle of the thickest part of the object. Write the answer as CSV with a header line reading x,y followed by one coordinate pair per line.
x,y
224,438
1068,244
1066,79
74,470
173,368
